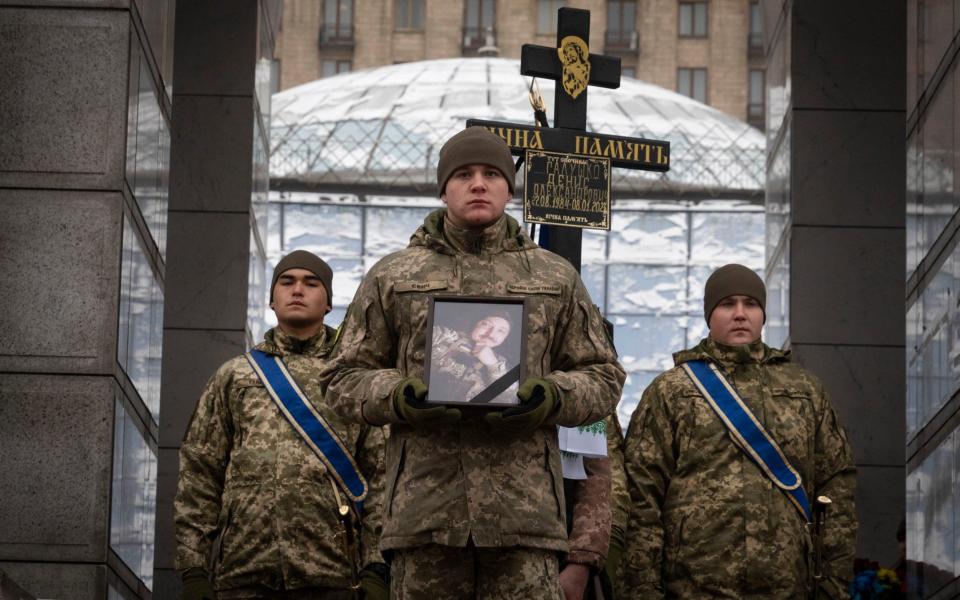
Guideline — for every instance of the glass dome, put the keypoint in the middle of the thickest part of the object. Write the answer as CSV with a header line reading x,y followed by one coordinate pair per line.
x,y
383,128
353,173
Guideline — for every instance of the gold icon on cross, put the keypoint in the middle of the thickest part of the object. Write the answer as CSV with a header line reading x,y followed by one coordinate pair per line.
x,y
575,58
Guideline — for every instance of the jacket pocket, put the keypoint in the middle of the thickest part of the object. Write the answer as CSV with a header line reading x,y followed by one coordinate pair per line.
x,y
792,425
413,304
674,554
556,479
543,302
215,559
393,475
594,329
543,312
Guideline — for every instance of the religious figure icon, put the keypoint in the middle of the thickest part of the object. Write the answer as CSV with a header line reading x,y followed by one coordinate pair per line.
x,y
575,58
474,350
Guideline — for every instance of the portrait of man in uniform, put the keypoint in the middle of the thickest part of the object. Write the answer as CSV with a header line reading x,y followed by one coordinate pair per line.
x,y
474,351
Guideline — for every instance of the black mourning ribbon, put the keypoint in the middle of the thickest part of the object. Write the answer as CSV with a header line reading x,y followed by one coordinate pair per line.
x,y
497,387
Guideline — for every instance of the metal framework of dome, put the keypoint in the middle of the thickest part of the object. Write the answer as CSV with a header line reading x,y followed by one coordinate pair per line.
x,y
378,131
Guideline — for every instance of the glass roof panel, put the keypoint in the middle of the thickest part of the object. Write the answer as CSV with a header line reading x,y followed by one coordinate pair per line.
x,y
384,126
372,103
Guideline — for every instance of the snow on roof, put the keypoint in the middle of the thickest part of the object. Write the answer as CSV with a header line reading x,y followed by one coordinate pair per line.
x,y
382,128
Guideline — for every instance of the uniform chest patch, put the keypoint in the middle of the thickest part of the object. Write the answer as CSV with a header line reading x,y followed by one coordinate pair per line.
x,y
418,286
534,288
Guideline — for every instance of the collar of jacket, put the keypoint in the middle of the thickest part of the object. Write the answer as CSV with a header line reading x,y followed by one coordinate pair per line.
x,y
278,343
438,234
731,356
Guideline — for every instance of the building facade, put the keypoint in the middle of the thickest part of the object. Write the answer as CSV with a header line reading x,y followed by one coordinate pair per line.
x,y
711,51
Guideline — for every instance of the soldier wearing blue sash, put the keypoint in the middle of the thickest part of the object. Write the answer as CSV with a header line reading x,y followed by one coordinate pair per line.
x,y
723,456
271,481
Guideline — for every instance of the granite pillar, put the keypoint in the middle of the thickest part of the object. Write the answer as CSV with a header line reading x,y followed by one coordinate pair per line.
x,y
223,53
836,229
84,112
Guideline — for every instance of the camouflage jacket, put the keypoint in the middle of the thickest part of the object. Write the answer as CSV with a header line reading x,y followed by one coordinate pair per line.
x,y
470,482
254,504
704,520
619,498
595,502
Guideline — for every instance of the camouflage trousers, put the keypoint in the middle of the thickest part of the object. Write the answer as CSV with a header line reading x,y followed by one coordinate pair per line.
x,y
436,572
265,593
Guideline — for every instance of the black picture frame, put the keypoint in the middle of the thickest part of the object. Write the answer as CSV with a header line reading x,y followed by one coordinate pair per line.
x,y
456,372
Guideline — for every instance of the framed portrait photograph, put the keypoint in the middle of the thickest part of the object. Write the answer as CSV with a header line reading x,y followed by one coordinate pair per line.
x,y
475,349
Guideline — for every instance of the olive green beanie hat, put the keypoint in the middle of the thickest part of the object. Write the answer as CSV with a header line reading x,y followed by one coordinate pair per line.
x,y
301,259
730,280
475,146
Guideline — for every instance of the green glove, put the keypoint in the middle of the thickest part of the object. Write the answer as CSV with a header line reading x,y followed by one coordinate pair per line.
x,y
373,582
408,401
196,585
538,401
615,552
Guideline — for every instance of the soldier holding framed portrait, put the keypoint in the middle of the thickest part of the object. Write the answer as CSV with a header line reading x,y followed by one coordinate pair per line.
x,y
474,504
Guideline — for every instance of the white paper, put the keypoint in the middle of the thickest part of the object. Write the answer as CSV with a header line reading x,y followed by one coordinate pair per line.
x,y
572,466
587,440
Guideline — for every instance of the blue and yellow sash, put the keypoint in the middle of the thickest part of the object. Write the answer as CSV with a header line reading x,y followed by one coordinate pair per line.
x,y
315,431
747,430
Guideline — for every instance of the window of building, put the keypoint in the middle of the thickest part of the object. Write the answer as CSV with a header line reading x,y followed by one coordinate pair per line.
x,y
756,26
331,67
692,83
547,15
133,506
479,24
409,14
621,25
628,72
755,98
693,19
337,21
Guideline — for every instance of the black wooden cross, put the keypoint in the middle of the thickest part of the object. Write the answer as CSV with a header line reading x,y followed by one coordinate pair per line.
x,y
568,133
544,62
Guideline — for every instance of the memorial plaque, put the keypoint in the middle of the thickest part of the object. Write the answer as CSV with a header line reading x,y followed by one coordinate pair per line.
x,y
574,69
567,189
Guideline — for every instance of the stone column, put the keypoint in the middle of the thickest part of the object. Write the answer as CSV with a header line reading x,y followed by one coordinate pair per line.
x,y
835,240
84,114
218,178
